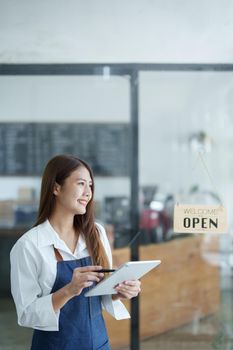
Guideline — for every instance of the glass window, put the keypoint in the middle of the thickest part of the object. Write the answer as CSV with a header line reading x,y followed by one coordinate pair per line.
x,y
185,157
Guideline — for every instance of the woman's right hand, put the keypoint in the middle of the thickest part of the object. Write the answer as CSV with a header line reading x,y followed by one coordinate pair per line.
x,y
84,277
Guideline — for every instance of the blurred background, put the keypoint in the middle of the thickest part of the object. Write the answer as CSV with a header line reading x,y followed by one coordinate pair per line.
x,y
187,303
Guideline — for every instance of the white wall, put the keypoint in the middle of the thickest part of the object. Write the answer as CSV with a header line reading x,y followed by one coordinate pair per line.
x,y
116,31
64,98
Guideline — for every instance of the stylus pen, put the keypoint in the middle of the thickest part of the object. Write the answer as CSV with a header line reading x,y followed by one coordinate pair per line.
x,y
106,270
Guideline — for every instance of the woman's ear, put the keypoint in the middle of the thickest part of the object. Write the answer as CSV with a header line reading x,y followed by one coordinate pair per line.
x,y
56,189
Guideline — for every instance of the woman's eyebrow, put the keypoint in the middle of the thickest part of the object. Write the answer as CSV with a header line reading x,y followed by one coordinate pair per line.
x,y
80,178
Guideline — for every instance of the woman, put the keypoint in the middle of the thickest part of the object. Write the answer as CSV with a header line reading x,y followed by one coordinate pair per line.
x,y
53,263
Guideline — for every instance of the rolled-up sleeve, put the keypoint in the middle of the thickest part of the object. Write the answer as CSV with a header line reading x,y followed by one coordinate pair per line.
x,y
33,309
115,307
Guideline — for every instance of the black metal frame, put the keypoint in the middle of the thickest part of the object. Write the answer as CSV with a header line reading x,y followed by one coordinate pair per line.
x,y
121,69
98,68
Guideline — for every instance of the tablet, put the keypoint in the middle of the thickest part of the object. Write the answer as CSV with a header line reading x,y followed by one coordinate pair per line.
x,y
131,270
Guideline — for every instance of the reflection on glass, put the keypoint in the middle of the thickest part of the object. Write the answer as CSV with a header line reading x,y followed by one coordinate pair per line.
x,y
183,115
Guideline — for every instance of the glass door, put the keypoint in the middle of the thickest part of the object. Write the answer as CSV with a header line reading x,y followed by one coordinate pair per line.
x,y
185,157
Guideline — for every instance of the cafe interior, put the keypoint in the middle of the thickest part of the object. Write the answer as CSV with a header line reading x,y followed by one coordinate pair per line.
x,y
143,92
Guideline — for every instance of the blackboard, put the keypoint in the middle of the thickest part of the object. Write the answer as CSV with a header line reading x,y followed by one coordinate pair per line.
x,y
25,148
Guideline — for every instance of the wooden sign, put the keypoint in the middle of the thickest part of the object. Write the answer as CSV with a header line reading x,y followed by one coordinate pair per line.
x,y
190,218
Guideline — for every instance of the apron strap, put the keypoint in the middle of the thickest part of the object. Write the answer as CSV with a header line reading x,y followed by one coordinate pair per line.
x,y
57,254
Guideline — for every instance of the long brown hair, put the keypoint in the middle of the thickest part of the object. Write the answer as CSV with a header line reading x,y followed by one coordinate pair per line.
x,y
56,171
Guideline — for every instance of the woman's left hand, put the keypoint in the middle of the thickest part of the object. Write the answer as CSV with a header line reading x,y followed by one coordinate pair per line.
x,y
128,289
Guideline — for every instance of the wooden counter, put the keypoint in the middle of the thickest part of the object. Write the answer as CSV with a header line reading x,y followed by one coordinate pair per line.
x,y
185,287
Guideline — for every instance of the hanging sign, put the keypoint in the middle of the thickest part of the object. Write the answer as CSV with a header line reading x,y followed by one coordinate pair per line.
x,y
190,218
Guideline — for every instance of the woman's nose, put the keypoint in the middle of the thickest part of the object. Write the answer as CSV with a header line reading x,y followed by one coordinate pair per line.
x,y
87,191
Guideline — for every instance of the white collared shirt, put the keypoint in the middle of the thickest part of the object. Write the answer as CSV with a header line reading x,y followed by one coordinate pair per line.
x,y
33,273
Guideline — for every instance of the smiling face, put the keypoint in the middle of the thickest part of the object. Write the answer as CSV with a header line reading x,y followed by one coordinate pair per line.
x,y
75,193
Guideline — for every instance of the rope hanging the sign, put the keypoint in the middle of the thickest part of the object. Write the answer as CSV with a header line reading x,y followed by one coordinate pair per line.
x,y
205,167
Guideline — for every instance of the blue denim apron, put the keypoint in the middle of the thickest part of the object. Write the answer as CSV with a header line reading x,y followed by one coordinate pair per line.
x,y
81,324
